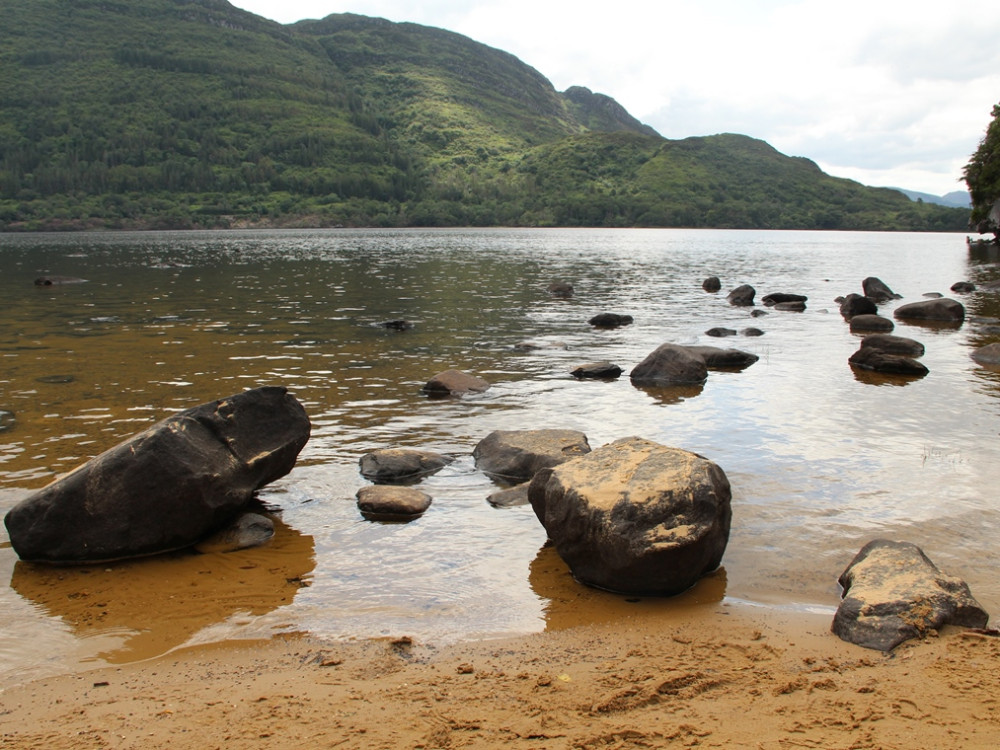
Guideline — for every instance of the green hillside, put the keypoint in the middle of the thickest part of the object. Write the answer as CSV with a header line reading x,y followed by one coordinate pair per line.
x,y
192,113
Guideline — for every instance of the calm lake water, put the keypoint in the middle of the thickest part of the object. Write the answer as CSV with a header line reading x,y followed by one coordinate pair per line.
x,y
821,459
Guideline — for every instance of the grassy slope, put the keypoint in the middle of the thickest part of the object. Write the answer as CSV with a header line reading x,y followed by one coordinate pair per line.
x,y
193,113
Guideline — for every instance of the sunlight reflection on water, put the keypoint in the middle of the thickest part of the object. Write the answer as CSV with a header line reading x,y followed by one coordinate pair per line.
x,y
821,459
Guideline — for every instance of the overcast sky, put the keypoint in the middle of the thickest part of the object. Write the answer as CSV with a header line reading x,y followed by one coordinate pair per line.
x,y
887,92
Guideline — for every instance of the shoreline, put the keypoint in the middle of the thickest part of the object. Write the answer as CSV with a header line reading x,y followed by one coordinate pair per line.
x,y
726,675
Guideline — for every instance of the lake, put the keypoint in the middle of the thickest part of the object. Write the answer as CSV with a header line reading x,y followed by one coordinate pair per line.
x,y
821,459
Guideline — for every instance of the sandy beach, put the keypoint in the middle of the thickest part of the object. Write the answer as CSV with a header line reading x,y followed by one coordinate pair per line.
x,y
730,676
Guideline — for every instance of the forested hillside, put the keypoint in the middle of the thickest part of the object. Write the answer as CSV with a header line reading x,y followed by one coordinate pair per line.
x,y
192,113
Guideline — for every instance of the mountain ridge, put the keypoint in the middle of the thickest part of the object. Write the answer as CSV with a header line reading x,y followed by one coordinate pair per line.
x,y
193,113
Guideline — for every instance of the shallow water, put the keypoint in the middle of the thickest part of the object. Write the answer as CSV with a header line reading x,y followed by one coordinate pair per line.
x,y
821,459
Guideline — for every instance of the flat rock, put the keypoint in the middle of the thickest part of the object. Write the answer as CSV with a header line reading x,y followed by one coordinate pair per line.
x,y
392,465
512,497
776,298
716,358
517,455
893,592
720,332
455,383
390,503
891,344
610,320
942,310
602,370
876,360
871,323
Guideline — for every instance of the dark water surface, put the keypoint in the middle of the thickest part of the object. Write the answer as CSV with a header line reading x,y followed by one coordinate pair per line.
x,y
821,459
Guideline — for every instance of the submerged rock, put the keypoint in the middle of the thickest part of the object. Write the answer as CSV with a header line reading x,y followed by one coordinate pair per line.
x,y
248,530
167,487
635,516
517,455
893,592
984,355
561,289
610,320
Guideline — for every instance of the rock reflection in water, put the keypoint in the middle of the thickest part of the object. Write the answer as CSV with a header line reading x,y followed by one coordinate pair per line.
x,y
570,603
158,603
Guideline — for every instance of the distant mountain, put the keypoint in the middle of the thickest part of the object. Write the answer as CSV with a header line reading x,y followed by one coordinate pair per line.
x,y
955,199
192,113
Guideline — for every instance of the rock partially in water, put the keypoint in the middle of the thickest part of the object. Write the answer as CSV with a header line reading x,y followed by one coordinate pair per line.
x,y
720,332
856,304
167,487
397,325
777,298
401,465
517,455
711,284
389,503
248,530
877,290
610,320
943,310
866,322
455,383
670,364
891,344
751,331
602,370
794,306
635,516
716,358
512,497
877,360
7,420
963,287
561,289
742,296
58,280
893,592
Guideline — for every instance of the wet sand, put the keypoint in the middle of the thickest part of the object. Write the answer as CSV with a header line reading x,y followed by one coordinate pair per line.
x,y
728,675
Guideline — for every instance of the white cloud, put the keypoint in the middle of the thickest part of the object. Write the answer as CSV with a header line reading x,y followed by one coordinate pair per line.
x,y
883,91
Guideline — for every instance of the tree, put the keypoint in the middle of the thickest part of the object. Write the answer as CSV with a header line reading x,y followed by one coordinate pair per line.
x,y
982,175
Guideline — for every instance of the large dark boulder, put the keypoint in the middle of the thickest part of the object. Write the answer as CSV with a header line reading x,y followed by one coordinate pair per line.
x,y
742,296
167,487
876,289
401,465
875,360
636,517
891,344
670,364
893,592
517,455
856,304
941,310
